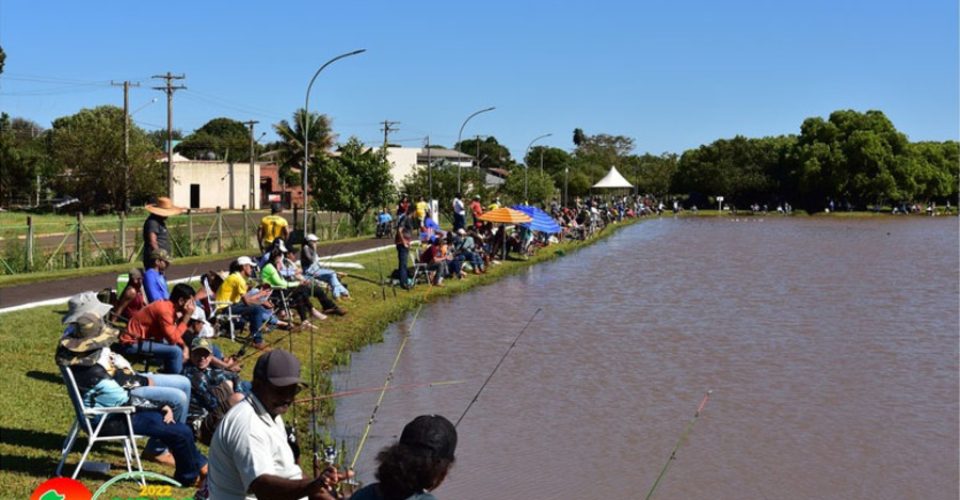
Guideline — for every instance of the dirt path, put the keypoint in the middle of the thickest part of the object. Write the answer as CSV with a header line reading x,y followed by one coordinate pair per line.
x,y
47,290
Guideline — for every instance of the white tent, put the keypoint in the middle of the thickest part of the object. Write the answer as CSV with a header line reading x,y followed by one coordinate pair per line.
x,y
613,179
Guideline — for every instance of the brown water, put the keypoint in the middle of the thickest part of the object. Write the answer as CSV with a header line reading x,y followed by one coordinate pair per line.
x,y
831,346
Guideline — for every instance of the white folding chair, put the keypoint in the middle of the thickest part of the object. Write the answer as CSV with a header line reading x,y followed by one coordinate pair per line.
x,y
219,313
91,421
419,267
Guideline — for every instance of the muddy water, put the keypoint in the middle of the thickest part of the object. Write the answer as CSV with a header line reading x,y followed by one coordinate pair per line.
x,y
831,347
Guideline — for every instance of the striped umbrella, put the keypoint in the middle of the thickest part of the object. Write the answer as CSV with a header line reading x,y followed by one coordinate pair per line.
x,y
506,215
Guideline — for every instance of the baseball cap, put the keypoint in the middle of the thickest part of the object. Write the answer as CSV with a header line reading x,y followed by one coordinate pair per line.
x,y
243,260
279,368
312,237
200,343
432,433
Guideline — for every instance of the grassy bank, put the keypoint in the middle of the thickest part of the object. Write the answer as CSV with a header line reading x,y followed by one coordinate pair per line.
x,y
35,412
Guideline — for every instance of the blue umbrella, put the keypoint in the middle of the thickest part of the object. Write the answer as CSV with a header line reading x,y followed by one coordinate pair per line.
x,y
541,220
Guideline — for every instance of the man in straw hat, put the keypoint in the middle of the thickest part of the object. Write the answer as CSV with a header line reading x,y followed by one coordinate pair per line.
x,y
250,456
155,234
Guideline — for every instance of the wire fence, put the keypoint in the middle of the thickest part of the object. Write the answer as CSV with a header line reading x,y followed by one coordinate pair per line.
x,y
55,243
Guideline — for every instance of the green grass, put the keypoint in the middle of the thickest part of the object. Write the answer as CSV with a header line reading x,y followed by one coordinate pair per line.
x,y
35,412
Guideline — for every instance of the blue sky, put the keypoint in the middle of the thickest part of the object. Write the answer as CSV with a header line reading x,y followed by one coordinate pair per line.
x,y
670,74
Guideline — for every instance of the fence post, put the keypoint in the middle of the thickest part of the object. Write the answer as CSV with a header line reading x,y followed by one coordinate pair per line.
x,y
295,218
330,235
79,249
123,236
190,231
246,237
313,223
219,231
29,243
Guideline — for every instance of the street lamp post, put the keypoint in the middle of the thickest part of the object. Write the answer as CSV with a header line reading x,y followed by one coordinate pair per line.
x,y
566,172
459,135
306,130
527,167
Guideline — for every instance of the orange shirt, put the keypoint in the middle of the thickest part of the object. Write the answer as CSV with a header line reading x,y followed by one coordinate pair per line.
x,y
157,322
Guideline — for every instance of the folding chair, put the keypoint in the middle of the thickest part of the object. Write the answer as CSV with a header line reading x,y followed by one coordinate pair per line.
x,y
419,267
219,313
91,421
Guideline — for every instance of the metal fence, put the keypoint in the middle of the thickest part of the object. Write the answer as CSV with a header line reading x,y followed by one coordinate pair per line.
x,y
45,245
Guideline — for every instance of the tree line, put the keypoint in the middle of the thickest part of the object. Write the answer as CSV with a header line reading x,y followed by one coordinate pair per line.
x,y
851,158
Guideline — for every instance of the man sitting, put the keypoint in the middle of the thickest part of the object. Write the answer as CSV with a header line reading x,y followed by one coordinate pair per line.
x,y
159,328
313,268
213,391
435,261
248,306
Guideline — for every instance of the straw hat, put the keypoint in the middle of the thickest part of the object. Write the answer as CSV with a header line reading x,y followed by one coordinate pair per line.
x,y
163,207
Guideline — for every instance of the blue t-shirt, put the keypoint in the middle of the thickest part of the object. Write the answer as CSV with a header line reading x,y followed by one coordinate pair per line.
x,y
155,286
384,218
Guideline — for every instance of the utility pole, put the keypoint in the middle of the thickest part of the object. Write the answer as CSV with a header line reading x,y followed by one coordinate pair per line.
x,y
251,204
387,128
429,172
126,140
169,88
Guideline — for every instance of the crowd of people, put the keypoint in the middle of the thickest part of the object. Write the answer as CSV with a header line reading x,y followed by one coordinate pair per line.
x,y
195,394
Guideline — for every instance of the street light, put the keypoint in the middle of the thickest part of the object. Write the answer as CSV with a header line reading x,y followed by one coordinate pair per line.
x,y
306,129
527,167
459,135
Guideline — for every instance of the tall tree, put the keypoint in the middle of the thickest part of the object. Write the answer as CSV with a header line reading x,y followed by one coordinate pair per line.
x,y
23,156
540,188
354,182
444,177
220,138
87,148
487,151
292,140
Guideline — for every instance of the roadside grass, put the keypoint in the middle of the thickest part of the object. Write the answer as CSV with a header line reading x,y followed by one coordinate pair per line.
x,y
35,412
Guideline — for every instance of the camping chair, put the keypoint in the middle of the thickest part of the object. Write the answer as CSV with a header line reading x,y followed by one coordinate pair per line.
x,y
91,421
219,313
419,267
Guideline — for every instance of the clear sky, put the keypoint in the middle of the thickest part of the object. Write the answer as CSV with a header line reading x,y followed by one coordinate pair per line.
x,y
670,74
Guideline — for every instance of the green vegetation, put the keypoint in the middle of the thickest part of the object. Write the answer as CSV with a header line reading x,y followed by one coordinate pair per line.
x,y
35,413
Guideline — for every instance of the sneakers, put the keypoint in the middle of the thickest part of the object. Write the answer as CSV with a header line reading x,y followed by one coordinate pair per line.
x,y
165,458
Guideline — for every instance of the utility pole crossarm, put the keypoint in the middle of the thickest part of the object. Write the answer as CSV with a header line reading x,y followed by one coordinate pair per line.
x,y
169,89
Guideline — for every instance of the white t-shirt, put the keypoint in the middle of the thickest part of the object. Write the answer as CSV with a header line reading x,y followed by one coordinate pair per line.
x,y
458,207
247,444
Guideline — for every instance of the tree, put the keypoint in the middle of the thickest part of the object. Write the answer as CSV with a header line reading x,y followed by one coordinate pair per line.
x,y
220,138
159,137
87,149
489,152
578,137
23,155
540,188
554,159
444,175
652,174
3,59
354,182
290,148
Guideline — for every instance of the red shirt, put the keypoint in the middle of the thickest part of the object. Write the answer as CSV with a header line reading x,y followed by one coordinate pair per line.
x,y
476,208
157,322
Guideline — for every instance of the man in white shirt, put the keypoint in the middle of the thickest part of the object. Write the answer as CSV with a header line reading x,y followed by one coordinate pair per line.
x,y
459,213
250,457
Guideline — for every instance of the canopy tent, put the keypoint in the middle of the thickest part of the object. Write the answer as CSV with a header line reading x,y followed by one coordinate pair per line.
x,y
506,215
613,180
541,220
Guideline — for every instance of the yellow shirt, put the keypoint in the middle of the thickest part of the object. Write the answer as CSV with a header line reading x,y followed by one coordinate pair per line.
x,y
232,289
272,227
421,209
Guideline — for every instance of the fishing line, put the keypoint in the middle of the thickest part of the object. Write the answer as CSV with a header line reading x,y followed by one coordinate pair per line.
x,y
354,392
683,437
477,395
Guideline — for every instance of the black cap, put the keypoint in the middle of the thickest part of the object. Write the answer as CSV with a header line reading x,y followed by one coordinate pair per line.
x,y
432,433
279,368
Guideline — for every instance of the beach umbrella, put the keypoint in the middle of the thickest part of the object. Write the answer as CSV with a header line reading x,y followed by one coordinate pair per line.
x,y
541,220
506,216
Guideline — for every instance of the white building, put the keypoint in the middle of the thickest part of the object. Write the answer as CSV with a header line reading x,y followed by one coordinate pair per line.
x,y
403,161
210,184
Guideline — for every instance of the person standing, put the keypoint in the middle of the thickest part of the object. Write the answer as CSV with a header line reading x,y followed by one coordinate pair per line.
x,y
477,209
272,226
154,280
402,240
250,456
459,213
155,234
421,211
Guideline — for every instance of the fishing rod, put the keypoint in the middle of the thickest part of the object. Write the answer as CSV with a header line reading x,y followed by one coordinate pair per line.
x,y
477,395
683,437
354,392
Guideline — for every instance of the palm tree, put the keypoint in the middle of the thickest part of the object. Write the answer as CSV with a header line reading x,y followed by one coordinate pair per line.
x,y
322,139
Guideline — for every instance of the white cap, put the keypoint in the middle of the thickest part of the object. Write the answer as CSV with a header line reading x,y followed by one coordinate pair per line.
x,y
281,246
244,261
312,237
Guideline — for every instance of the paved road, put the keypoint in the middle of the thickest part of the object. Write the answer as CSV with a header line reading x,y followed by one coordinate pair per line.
x,y
47,290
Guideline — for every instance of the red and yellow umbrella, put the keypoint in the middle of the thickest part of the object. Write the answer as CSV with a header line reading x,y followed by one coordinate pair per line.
x,y
506,215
